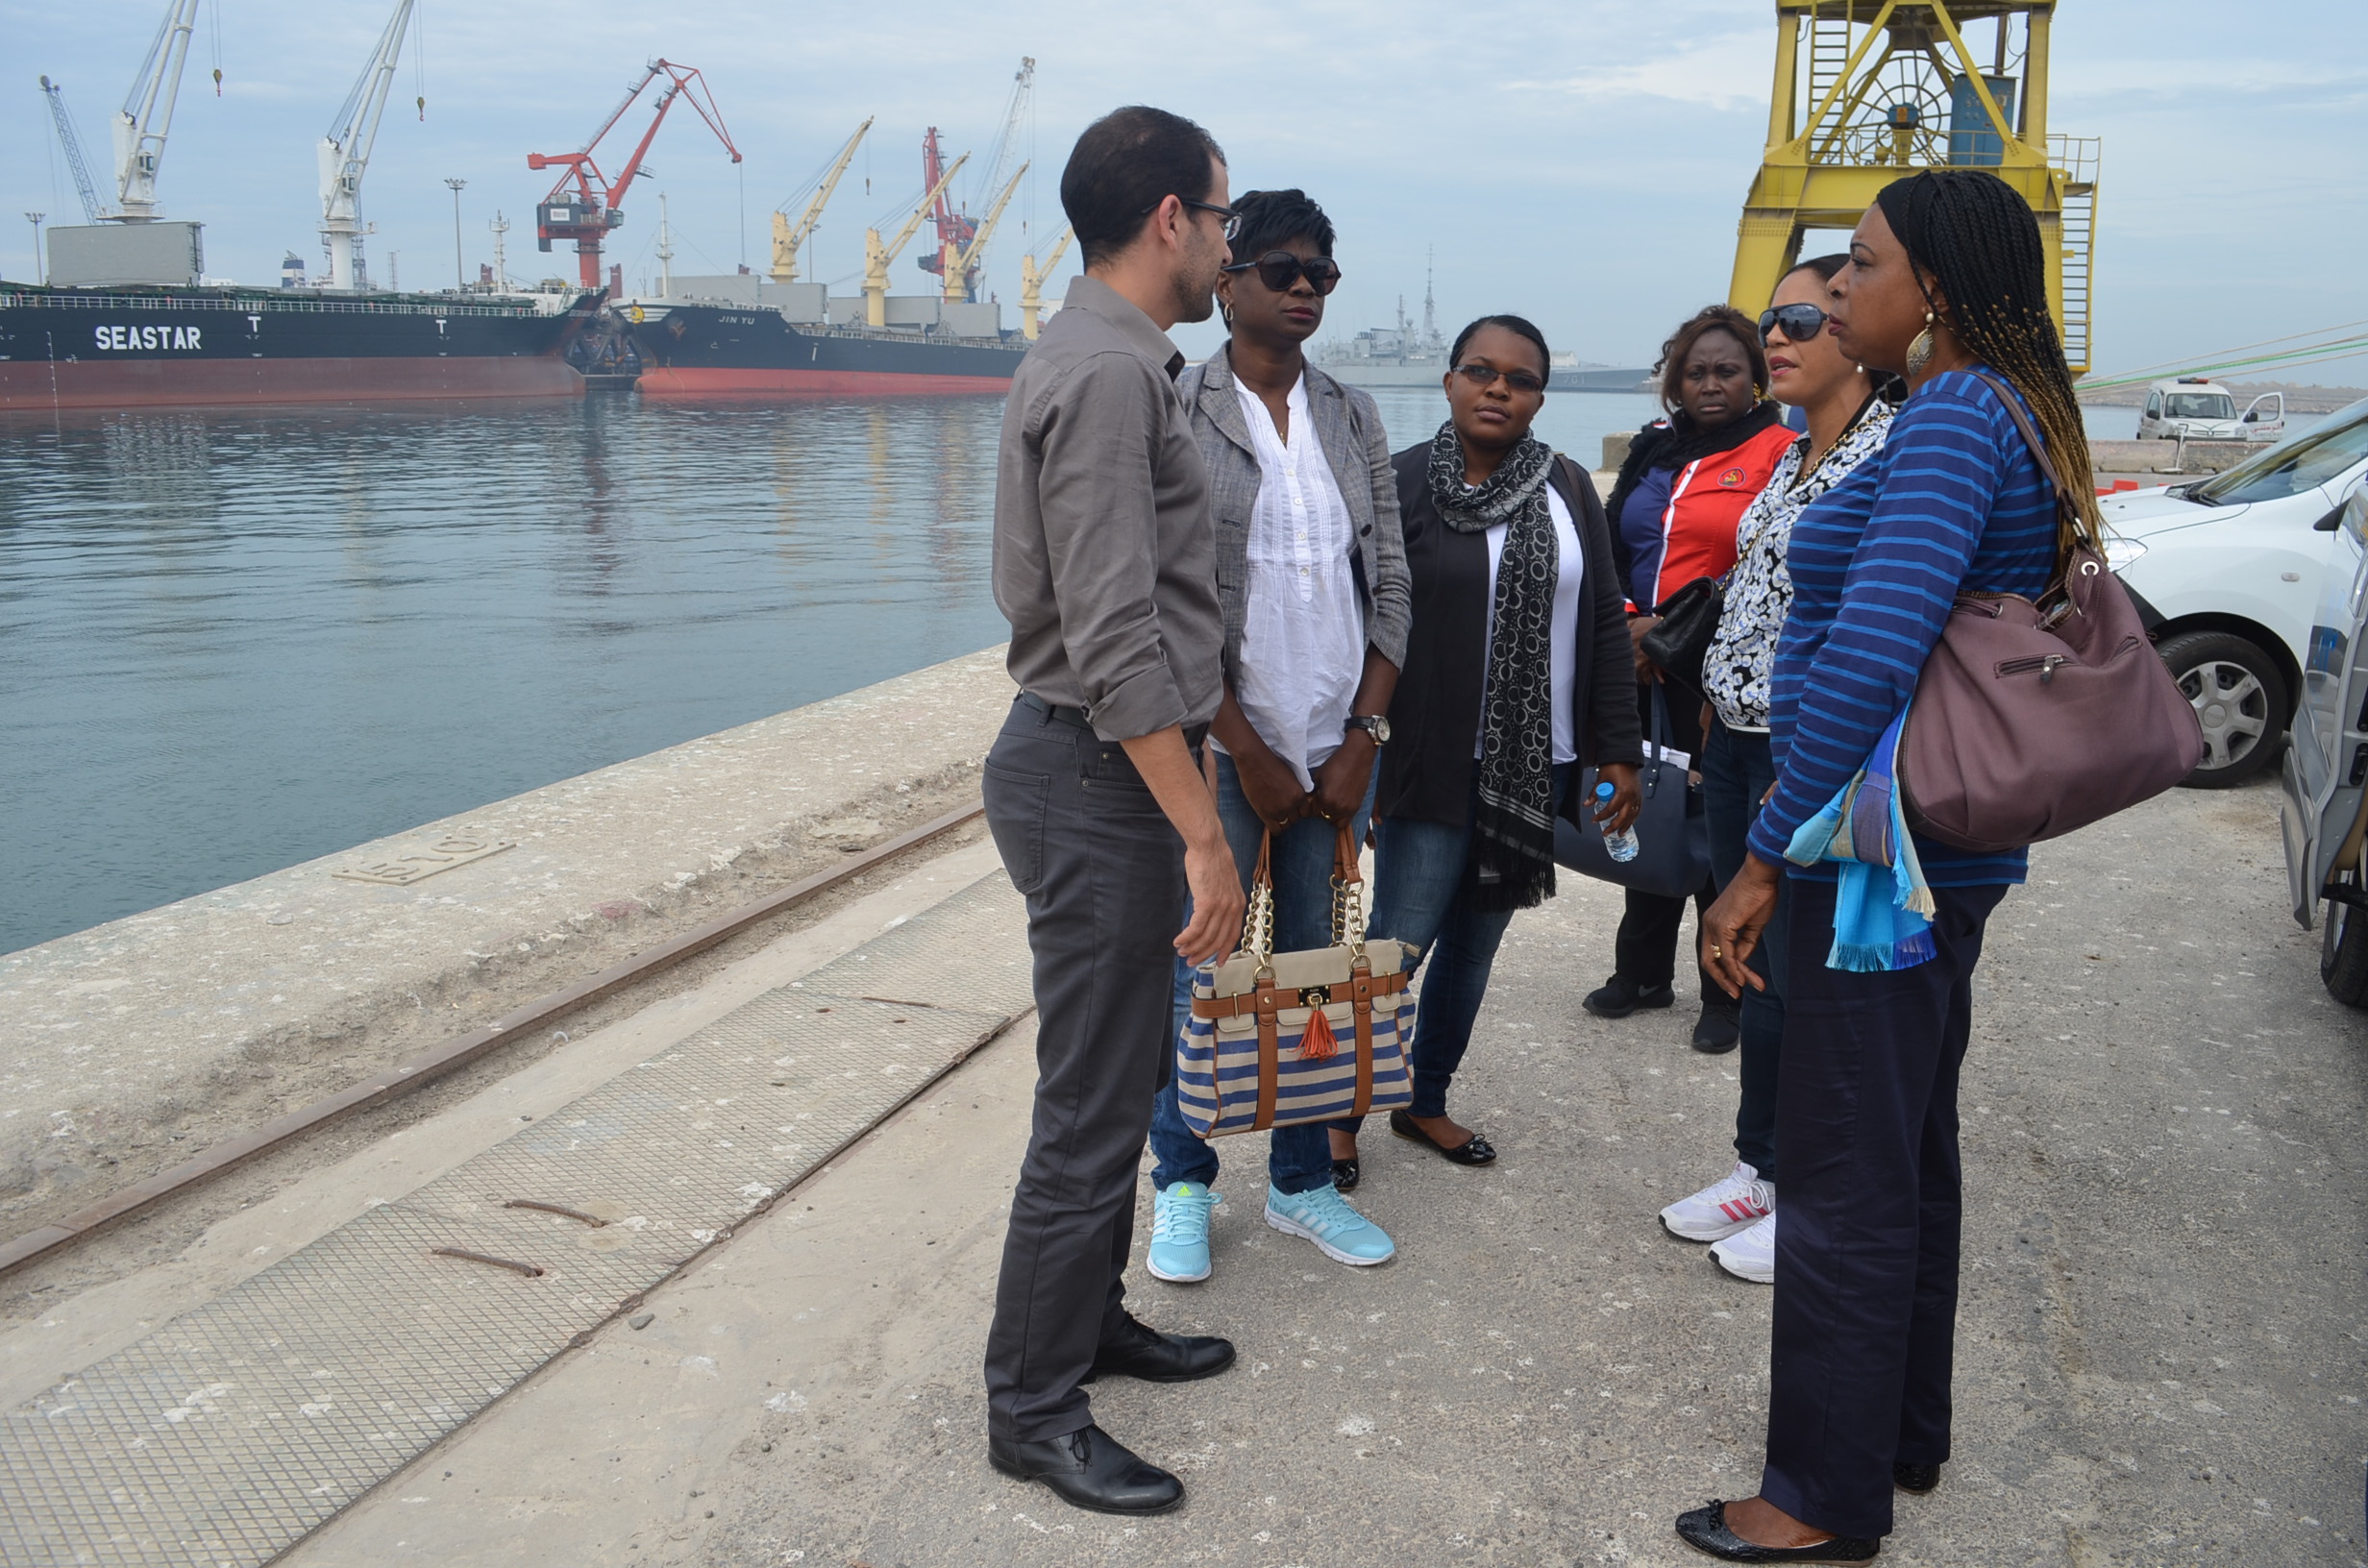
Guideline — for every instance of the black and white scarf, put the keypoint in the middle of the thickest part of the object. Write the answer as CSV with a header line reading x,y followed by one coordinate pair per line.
x,y
1511,864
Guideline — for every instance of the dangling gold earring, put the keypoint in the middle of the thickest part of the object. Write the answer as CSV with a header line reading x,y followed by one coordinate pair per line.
x,y
1921,348
1227,312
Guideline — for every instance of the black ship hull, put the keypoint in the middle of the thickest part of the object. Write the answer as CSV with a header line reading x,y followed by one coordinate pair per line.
x,y
130,347
705,351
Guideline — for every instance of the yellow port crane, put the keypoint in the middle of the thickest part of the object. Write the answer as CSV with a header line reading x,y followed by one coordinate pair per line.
x,y
877,257
1867,91
789,239
1032,284
963,266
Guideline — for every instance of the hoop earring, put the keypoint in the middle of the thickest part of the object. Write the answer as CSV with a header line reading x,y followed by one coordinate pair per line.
x,y
1227,312
1921,348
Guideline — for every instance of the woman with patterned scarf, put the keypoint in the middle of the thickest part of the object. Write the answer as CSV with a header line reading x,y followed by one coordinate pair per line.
x,y
1518,672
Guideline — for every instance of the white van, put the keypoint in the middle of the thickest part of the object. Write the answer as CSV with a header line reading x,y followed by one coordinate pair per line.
x,y
2201,409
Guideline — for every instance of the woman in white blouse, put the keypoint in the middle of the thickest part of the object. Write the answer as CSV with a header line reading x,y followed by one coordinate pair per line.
x,y
1310,574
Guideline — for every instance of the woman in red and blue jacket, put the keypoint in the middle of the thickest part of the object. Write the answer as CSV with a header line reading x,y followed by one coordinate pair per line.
x,y
1682,490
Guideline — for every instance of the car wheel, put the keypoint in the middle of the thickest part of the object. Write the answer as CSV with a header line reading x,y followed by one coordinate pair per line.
x,y
2343,955
2239,700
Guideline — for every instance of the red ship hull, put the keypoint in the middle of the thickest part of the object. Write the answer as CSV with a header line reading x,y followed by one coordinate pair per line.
x,y
701,382
35,386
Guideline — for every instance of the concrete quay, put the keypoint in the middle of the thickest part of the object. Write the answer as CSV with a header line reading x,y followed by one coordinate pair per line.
x,y
129,1046
2161,1343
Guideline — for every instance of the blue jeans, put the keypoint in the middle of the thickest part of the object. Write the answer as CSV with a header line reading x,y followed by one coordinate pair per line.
x,y
1419,898
1299,1158
1736,769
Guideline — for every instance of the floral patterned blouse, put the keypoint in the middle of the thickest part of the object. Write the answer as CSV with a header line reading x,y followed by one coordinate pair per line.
x,y
1735,673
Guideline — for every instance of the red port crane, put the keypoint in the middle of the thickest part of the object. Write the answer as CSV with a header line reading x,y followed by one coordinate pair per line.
x,y
586,204
954,227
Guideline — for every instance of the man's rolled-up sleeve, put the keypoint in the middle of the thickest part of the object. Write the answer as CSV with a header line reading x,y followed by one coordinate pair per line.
x,y
1098,439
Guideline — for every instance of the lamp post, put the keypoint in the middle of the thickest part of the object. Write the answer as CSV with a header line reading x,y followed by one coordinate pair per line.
x,y
459,282
41,267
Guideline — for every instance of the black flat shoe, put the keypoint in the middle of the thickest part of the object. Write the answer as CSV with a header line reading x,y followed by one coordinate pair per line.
x,y
1619,998
1090,1469
1473,1151
1144,1352
1346,1175
1704,1530
1716,1032
1915,1478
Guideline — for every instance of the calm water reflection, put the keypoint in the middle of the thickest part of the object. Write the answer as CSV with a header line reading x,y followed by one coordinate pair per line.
x,y
233,641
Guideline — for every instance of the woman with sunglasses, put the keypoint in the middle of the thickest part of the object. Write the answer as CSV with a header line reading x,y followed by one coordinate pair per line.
x,y
1517,673
1847,422
1681,491
1311,579
1947,285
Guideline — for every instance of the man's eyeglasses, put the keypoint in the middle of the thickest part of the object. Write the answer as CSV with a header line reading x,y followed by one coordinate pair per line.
x,y
1800,322
1278,270
1225,212
1520,380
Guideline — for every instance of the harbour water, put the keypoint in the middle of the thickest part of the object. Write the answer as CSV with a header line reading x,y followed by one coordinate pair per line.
x,y
234,639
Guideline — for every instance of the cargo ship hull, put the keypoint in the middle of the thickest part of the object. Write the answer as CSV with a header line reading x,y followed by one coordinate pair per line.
x,y
159,348
725,351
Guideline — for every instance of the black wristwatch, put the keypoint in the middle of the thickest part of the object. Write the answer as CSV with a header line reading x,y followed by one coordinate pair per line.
x,y
1375,725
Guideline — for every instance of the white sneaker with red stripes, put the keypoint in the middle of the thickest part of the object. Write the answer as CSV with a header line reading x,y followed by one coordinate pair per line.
x,y
1750,1254
1736,1202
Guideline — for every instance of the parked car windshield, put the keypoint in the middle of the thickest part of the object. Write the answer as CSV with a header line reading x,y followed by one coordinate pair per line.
x,y
2201,405
2292,466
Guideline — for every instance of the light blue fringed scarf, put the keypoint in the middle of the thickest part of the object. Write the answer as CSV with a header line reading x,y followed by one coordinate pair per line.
x,y
1880,922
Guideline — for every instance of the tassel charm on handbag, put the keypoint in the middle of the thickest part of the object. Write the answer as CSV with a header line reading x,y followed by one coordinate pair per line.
x,y
1278,1039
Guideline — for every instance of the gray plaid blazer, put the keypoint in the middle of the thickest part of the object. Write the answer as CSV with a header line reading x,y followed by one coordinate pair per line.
x,y
1349,427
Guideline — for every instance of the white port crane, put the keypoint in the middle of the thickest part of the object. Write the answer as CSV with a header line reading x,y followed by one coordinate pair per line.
x,y
345,150
92,213
146,117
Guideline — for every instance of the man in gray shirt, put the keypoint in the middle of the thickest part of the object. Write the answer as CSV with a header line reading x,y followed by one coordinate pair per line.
x,y
1105,565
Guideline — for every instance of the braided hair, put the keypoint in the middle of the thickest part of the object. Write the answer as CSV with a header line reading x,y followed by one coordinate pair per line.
x,y
1976,237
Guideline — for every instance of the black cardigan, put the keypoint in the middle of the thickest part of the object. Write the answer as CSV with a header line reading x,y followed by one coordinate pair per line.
x,y
1426,770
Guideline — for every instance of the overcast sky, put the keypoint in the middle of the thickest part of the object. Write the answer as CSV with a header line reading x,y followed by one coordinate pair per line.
x,y
1582,161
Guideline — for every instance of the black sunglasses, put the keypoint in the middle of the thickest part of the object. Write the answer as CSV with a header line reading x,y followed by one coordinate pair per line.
x,y
1278,270
1800,322
1521,381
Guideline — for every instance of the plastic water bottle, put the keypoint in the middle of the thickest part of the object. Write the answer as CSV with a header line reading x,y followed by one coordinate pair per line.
x,y
1619,846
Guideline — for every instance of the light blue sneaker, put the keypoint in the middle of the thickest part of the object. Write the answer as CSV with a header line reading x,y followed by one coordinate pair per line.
x,y
1323,1216
1179,1251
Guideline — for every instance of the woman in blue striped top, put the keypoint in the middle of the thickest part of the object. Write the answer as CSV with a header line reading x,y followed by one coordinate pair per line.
x,y
1946,276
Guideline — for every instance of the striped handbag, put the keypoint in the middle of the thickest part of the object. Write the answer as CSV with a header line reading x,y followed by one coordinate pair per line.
x,y
1279,1038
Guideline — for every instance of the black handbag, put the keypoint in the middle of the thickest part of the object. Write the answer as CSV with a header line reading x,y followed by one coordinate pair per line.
x,y
1673,834
1688,621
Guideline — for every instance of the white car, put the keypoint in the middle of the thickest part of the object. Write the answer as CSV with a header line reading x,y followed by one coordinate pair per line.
x,y
2198,408
2227,572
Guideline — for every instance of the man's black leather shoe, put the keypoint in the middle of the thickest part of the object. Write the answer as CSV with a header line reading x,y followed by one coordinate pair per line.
x,y
1915,1478
1619,996
1141,1351
1090,1469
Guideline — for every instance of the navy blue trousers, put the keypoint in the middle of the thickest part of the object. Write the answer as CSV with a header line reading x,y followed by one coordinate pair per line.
x,y
1867,1255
